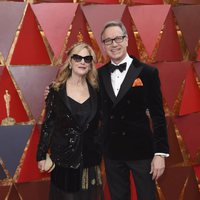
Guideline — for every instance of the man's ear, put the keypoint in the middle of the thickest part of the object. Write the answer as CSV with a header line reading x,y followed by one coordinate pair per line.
x,y
126,39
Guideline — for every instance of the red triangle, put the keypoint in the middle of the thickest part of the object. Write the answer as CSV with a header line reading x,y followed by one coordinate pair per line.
x,y
197,68
10,17
30,163
54,26
1,70
147,18
176,156
13,194
30,48
37,190
169,48
97,23
191,95
128,22
172,182
107,192
188,19
17,110
198,55
172,75
197,171
79,25
189,127
133,190
191,190
4,191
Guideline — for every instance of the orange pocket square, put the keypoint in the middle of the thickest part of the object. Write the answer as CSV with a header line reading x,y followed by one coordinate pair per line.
x,y
137,82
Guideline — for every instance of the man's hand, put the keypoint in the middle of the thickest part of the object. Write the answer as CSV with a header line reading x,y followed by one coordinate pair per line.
x,y
41,165
157,167
46,92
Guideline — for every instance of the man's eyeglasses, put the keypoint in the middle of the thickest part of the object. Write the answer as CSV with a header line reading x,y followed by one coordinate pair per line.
x,y
78,58
117,39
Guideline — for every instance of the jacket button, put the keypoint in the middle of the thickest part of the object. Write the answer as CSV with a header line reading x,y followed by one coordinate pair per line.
x,y
122,117
123,133
112,117
93,181
128,101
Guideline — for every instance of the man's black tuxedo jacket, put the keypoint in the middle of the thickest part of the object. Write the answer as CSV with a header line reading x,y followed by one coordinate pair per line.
x,y
126,128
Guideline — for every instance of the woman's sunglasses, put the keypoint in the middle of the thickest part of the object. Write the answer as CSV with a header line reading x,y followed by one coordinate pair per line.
x,y
77,58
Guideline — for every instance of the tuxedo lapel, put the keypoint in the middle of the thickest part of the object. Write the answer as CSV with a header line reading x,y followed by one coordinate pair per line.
x,y
131,75
107,84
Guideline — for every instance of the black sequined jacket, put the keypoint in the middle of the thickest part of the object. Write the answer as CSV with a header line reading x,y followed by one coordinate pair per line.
x,y
69,144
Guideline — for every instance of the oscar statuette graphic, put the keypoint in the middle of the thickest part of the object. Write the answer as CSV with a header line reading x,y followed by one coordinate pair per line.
x,y
8,120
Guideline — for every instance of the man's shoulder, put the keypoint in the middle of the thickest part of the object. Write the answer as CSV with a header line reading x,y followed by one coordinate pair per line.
x,y
145,66
148,67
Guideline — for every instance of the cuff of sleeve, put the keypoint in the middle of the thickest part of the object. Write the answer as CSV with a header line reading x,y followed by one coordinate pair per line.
x,y
164,155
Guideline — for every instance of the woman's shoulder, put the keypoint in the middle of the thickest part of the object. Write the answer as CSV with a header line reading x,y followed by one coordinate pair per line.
x,y
54,89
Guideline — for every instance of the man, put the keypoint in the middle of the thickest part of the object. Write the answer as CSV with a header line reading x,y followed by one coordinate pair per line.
x,y
130,96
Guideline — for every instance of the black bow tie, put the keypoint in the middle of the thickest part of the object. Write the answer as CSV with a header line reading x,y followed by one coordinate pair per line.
x,y
120,67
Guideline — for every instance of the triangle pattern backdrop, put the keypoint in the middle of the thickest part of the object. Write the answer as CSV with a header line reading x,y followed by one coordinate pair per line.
x,y
188,19
150,18
10,16
172,75
30,47
13,138
55,28
31,89
17,110
30,161
34,39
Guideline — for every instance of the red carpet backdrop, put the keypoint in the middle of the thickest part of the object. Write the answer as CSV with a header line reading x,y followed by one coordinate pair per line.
x,y
34,36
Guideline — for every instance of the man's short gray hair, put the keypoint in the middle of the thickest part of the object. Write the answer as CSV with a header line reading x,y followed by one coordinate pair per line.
x,y
112,24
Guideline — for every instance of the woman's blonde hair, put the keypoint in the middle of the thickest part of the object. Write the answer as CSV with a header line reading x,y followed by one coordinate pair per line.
x,y
66,70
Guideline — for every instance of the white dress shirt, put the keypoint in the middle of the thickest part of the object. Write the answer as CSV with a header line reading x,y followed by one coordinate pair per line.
x,y
117,77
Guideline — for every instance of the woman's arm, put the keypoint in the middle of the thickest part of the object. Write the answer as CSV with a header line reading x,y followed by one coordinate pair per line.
x,y
47,126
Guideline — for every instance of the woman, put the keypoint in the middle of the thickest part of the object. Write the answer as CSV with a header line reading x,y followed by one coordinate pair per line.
x,y
70,129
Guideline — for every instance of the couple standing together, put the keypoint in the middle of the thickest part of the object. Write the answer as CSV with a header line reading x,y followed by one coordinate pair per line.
x,y
117,111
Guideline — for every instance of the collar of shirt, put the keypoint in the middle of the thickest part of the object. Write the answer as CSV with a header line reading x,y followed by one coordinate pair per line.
x,y
117,77
128,60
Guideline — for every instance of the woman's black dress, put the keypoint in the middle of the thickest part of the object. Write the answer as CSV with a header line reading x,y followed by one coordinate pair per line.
x,y
81,183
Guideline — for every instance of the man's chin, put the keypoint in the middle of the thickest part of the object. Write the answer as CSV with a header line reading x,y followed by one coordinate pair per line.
x,y
116,59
